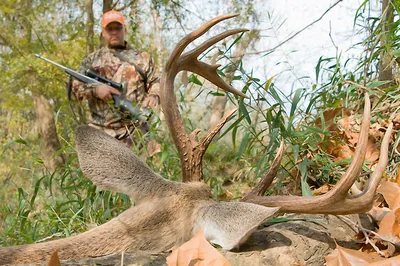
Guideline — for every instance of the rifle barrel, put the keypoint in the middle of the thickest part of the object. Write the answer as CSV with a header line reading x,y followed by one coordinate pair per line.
x,y
52,62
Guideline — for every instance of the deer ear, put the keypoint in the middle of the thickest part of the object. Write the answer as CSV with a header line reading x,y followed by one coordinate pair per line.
x,y
229,224
113,166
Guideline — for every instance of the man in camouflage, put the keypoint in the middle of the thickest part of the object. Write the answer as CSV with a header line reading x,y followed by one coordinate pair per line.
x,y
121,63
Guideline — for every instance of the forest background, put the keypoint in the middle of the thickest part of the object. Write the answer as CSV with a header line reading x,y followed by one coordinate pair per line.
x,y
317,114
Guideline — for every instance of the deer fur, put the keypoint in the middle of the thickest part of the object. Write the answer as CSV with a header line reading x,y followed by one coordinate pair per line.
x,y
166,215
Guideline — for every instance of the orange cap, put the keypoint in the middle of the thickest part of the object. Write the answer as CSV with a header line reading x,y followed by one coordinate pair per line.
x,y
112,16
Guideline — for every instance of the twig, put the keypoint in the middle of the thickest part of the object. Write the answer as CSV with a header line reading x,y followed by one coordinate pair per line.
x,y
297,33
50,237
187,10
358,228
122,257
354,84
330,37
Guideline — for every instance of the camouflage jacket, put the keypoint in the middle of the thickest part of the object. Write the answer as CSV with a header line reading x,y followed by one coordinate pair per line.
x,y
132,68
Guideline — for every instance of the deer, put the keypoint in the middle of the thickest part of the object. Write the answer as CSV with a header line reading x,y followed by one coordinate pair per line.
x,y
169,213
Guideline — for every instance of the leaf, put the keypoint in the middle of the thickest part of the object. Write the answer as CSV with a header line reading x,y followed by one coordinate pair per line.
x,y
346,257
193,78
375,84
197,252
387,262
305,188
153,147
295,101
54,260
268,83
391,192
389,226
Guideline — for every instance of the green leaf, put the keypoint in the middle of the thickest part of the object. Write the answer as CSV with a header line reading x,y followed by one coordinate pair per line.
x,y
305,188
396,52
376,84
289,219
217,93
268,83
243,144
243,110
193,79
295,102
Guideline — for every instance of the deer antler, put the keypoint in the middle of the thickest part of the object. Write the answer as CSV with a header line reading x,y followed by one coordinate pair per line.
x,y
191,152
336,201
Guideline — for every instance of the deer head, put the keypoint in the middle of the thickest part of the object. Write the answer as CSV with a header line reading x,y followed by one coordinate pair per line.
x,y
168,213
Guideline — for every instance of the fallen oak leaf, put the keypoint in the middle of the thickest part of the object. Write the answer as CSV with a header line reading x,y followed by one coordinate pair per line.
x,y
343,257
394,261
391,193
153,147
197,252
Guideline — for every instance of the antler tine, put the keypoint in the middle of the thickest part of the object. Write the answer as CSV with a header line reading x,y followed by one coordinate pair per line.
x,y
342,187
204,46
370,189
182,44
267,179
214,131
209,72
336,201
190,150
188,61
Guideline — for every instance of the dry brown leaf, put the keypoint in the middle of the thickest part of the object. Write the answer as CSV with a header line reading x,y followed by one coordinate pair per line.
x,y
54,260
387,262
398,176
342,152
197,252
373,151
389,226
153,147
377,130
346,257
322,190
391,193
396,224
329,116
386,226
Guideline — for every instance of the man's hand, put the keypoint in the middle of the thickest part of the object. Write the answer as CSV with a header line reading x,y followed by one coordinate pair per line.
x,y
105,92
151,100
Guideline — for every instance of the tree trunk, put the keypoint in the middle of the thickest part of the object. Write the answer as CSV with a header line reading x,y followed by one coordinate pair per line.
x,y
157,40
47,129
89,26
107,5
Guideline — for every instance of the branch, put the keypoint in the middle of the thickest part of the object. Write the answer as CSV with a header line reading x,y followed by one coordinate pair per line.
x,y
297,33
124,6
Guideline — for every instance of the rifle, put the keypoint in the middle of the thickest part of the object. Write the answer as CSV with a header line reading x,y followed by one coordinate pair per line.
x,y
92,77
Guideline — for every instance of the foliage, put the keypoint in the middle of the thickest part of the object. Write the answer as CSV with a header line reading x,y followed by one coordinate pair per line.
x,y
36,204
57,204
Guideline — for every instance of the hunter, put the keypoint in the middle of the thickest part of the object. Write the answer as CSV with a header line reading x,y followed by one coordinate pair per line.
x,y
119,62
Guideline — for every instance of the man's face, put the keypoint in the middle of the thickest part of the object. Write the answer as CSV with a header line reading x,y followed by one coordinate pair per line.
x,y
114,35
